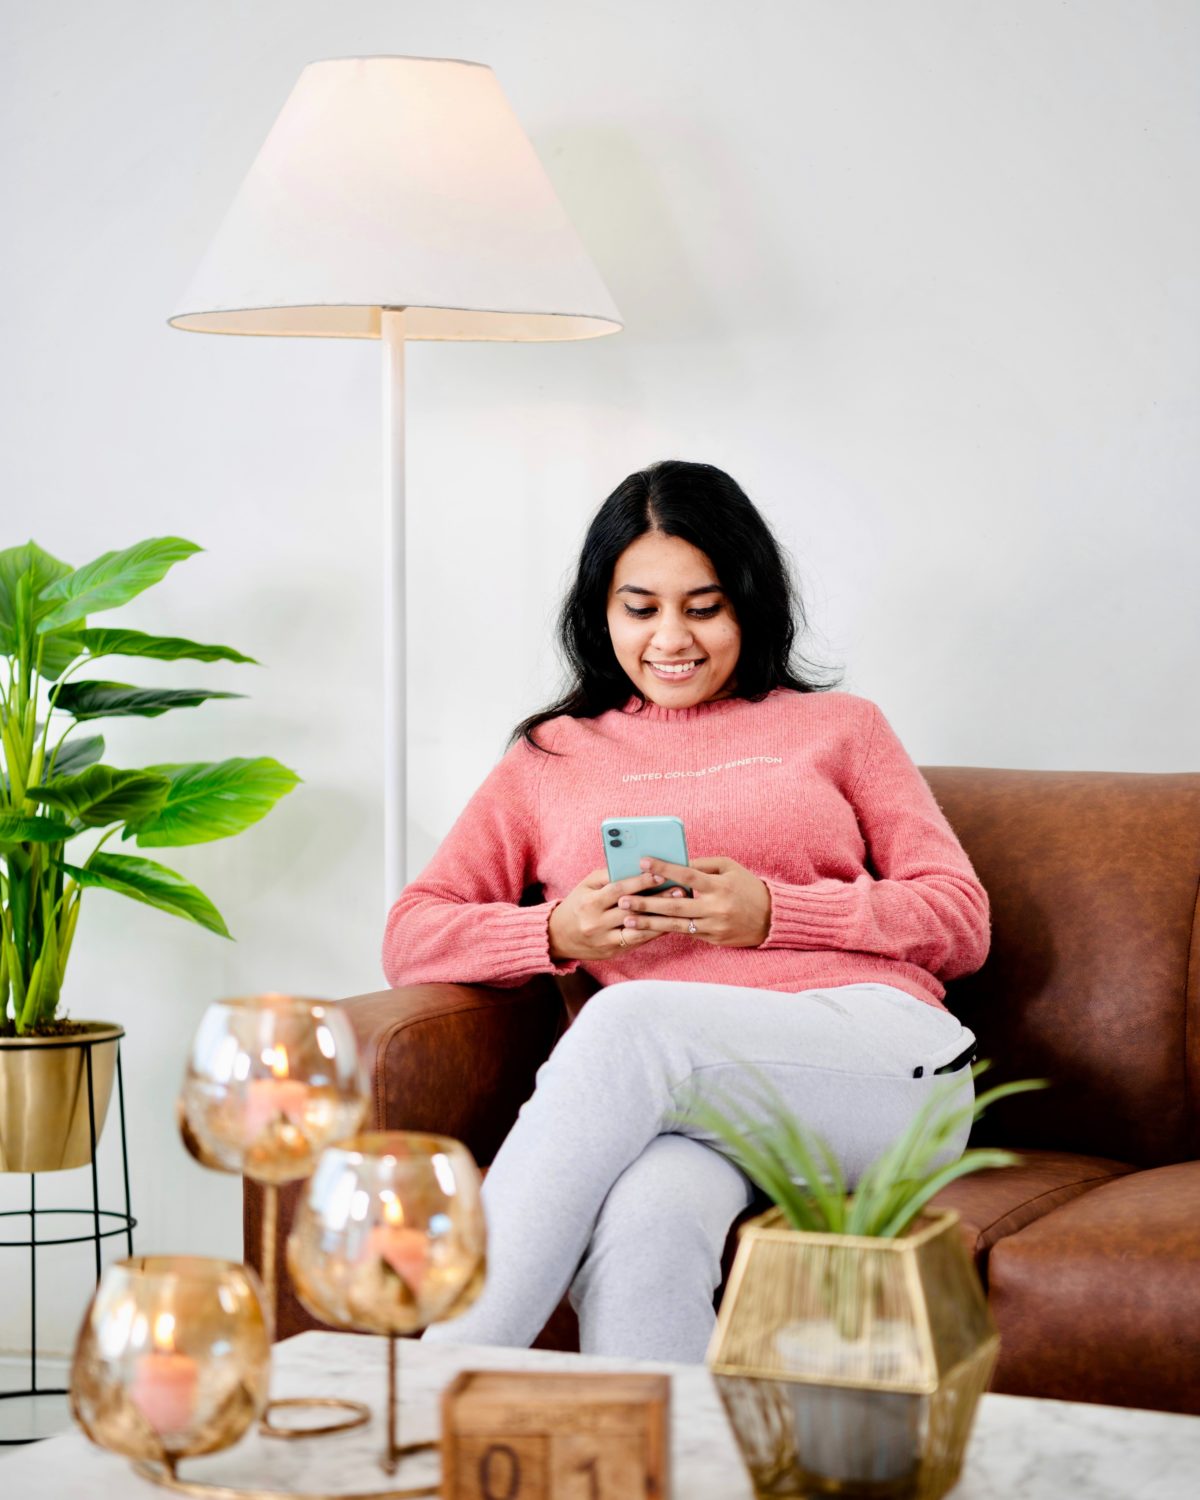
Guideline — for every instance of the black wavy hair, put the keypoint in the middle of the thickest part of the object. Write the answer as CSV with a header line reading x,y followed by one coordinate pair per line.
x,y
707,508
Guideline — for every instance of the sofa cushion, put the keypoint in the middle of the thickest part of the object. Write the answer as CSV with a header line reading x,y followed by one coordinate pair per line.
x,y
1100,1300
991,1205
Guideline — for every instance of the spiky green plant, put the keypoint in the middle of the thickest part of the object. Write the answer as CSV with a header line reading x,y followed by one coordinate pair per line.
x,y
798,1170
56,790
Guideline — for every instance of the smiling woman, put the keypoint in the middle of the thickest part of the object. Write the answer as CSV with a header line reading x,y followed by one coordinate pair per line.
x,y
686,640
678,564
829,901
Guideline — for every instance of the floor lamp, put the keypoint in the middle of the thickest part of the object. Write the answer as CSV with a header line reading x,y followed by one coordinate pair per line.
x,y
397,198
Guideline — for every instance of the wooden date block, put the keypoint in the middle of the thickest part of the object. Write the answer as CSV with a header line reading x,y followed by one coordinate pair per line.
x,y
524,1435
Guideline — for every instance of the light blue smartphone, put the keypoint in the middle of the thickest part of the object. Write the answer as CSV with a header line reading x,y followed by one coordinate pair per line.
x,y
627,841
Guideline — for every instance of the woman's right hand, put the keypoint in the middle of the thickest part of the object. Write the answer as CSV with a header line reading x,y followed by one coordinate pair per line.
x,y
588,924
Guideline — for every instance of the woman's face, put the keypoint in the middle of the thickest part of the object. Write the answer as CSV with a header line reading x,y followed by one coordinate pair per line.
x,y
666,607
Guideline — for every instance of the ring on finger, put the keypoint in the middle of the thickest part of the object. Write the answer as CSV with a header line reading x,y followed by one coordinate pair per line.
x,y
692,925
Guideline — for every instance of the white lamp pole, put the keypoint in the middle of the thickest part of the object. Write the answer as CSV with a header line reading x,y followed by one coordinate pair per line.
x,y
397,198
395,656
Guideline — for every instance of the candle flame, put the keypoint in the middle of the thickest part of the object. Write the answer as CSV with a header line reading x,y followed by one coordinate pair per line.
x,y
164,1332
276,1059
393,1210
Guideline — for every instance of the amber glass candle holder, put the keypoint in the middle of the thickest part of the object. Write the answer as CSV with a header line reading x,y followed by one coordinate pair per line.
x,y
390,1237
271,1080
172,1358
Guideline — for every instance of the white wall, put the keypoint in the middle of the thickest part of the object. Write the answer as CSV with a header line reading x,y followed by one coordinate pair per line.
x,y
921,275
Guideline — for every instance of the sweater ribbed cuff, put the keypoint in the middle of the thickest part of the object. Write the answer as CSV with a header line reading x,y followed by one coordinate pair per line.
x,y
806,916
520,941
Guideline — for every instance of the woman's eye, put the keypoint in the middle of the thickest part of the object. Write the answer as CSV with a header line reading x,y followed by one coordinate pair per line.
x,y
701,614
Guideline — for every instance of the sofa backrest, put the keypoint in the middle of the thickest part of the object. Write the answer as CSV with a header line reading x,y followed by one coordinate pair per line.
x,y
1093,978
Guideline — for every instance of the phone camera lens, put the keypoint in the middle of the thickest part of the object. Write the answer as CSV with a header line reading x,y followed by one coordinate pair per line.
x,y
614,843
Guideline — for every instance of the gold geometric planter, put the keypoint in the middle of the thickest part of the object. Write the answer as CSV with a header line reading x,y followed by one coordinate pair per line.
x,y
44,1097
849,1365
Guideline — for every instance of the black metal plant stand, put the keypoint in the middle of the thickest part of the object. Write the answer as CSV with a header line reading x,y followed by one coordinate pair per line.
x,y
125,1221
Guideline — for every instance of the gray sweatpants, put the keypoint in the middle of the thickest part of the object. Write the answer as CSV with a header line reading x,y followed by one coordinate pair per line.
x,y
596,1191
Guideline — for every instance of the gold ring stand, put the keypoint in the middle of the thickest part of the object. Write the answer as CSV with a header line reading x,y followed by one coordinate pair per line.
x,y
163,1471
358,1414
162,1475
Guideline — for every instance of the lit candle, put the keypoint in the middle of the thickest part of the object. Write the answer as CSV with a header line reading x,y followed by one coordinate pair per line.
x,y
405,1250
164,1382
269,1100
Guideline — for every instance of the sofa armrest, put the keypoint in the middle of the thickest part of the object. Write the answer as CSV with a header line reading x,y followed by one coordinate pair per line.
x,y
454,1059
451,1059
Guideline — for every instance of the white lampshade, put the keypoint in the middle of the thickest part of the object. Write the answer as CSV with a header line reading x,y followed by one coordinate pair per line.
x,y
398,182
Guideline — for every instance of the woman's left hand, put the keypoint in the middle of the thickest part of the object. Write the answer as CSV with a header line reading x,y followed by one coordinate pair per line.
x,y
730,906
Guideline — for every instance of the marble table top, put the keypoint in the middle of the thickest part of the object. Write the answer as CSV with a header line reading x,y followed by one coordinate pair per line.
x,y
1021,1449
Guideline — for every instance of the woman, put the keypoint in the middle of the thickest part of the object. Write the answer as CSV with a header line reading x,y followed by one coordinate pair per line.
x,y
830,899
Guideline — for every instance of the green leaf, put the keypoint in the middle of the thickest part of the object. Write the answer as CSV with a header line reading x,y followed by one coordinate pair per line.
x,y
918,1143
143,880
798,1149
970,1161
774,1148
16,756
29,1010
1004,1090
744,1144
111,700
14,564
102,795
212,800
834,1169
59,650
159,647
75,755
798,1146
16,829
16,974
20,902
111,580
42,995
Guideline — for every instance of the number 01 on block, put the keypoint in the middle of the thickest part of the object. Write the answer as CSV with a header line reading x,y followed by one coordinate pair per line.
x,y
549,1436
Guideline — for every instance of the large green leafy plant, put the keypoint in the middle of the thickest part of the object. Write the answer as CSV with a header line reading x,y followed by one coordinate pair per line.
x,y
57,790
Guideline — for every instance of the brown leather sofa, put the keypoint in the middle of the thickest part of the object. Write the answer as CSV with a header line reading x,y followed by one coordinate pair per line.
x,y
1090,1248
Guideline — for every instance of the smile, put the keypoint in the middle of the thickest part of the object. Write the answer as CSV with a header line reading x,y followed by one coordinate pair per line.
x,y
674,672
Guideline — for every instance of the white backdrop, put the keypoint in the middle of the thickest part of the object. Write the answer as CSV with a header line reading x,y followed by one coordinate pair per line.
x,y
921,275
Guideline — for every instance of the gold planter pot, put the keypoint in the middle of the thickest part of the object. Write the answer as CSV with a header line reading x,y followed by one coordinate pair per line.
x,y
44,1125
853,1366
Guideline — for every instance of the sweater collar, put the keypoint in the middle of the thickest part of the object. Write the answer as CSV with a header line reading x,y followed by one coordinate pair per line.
x,y
649,710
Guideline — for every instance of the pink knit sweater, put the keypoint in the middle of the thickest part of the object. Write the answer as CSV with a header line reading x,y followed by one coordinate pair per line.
x,y
813,792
